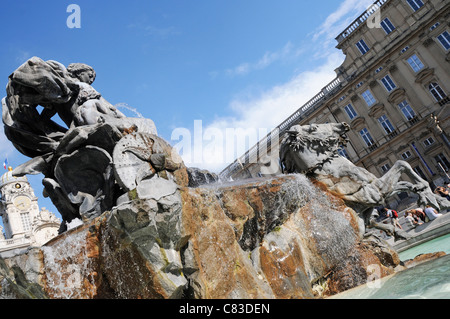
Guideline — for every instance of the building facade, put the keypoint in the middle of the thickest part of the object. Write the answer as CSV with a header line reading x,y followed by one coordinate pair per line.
x,y
24,224
392,89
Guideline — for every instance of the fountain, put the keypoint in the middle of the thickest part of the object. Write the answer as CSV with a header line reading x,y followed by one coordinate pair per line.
x,y
150,227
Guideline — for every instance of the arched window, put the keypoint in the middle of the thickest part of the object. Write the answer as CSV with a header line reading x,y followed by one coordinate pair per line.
x,y
437,91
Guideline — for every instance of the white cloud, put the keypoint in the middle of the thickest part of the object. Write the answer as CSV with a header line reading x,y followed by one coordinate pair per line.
x,y
255,116
263,111
338,20
267,59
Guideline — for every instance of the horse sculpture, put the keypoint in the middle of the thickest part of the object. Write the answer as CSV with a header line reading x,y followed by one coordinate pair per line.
x,y
313,150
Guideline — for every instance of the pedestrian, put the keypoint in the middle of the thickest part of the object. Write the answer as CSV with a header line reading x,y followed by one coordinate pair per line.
x,y
431,213
419,214
394,217
412,221
442,192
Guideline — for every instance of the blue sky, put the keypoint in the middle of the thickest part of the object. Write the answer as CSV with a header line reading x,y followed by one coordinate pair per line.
x,y
230,64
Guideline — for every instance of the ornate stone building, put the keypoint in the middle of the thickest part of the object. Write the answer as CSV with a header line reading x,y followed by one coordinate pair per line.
x,y
392,89
24,225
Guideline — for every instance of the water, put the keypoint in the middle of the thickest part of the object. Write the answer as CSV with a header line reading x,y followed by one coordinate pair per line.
x,y
67,267
430,280
441,243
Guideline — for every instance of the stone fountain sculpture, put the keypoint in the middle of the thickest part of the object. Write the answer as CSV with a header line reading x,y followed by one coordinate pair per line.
x,y
80,163
151,230
313,150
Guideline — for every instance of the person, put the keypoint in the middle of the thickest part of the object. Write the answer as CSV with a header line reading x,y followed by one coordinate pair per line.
x,y
412,221
394,217
419,214
431,213
442,192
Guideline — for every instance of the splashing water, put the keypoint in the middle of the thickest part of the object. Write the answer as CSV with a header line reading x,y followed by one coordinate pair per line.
x,y
333,234
129,108
67,267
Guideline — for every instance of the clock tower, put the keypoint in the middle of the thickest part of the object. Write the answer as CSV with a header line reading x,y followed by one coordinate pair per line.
x,y
24,224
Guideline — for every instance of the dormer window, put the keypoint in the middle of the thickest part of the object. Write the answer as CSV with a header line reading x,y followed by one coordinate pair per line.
x,y
362,46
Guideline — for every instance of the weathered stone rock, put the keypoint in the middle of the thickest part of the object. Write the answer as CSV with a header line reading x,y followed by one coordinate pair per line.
x,y
272,238
423,258
21,276
198,177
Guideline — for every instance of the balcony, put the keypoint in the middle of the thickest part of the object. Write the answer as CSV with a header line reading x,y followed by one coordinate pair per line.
x,y
391,135
413,121
444,101
373,147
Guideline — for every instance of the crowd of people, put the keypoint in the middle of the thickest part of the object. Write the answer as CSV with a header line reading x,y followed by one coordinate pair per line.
x,y
418,216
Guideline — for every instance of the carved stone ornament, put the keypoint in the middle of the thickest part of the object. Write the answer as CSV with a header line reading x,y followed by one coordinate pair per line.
x,y
425,75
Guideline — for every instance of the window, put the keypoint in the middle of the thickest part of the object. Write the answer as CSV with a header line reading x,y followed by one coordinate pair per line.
x,y
386,124
366,137
368,97
419,172
387,26
378,70
362,46
434,26
442,162
436,91
415,4
350,112
385,168
428,141
405,49
415,63
388,83
444,39
407,111
342,152
406,155
26,224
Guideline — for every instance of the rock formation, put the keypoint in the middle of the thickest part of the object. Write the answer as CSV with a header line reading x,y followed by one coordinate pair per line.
x,y
272,238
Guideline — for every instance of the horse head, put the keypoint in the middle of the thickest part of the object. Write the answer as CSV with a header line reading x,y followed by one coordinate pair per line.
x,y
307,147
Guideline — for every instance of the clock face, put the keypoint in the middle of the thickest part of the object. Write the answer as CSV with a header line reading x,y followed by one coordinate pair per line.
x,y
22,202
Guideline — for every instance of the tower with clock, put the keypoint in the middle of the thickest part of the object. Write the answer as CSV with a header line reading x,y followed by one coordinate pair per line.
x,y
24,224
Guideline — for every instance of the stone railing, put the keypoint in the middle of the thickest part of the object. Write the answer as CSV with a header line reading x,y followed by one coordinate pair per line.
x,y
254,154
360,20
8,244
